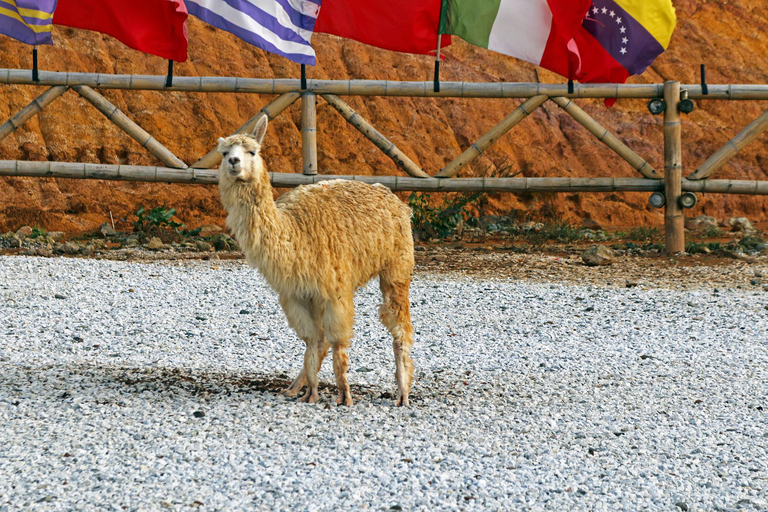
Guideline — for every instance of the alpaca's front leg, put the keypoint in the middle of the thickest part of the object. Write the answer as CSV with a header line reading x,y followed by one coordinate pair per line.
x,y
305,317
301,381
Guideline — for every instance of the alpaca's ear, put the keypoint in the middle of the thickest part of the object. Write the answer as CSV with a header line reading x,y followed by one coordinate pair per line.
x,y
221,141
260,130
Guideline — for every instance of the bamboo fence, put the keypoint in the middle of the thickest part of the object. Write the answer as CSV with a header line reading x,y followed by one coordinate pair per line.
x,y
672,184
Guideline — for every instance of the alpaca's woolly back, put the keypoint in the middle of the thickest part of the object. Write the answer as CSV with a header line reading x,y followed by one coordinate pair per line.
x,y
324,239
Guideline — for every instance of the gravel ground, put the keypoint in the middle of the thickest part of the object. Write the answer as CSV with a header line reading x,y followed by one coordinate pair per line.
x,y
152,386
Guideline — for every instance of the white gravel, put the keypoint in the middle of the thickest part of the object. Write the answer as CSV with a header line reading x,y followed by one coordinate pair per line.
x,y
149,386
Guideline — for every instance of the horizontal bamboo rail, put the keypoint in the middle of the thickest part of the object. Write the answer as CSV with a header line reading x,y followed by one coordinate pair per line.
x,y
484,142
739,142
396,183
376,87
607,138
272,110
31,110
384,144
123,122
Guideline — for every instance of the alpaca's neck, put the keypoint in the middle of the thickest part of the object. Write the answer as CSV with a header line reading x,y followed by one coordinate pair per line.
x,y
258,226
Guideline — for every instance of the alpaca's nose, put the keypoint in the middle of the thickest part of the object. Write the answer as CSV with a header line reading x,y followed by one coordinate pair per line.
x,y
234,160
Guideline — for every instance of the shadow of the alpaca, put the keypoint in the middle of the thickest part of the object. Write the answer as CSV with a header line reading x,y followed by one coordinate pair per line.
x,y
164,381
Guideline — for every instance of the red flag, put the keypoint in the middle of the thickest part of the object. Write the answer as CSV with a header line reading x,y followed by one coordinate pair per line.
x,y
399,25
151,26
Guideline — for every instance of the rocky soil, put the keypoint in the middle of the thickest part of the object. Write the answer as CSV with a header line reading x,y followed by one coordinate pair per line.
x,y
729,37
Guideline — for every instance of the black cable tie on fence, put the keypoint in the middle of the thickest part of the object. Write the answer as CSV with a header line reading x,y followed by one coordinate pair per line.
x,y
35,75
303,77
169,78
437,76
704,88
570,86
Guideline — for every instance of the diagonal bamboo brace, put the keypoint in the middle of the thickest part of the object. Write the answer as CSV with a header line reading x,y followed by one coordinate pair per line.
x,y
123,122
28,112
484,142
739,142
272,110
384,144
607,138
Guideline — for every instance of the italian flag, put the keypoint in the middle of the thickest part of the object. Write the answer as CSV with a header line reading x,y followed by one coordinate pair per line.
x,y
532,30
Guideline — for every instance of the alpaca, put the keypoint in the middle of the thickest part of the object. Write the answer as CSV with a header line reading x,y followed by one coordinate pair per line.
x,y
315,246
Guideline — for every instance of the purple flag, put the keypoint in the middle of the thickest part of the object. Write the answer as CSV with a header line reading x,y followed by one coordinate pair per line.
x,y
29,21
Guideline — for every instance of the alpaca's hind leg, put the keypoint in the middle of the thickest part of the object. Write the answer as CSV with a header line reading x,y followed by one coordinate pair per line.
x,y
338,321
395,314
305,318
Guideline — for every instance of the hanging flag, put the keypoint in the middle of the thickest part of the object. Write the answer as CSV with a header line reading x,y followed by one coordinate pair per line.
x,y
283,27
618,38
524,29
408,26
156,27
28,21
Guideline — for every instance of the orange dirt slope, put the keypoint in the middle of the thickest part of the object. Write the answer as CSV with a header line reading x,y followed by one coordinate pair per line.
x,y
730,37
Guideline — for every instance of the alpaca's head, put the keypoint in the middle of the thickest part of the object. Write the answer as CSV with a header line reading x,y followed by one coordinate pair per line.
x,y
241,155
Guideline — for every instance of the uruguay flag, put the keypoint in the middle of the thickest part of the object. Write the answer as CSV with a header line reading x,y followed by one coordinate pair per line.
x,y
283,27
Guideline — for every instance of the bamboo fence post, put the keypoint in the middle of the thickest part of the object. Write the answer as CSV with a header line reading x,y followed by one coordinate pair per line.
x,y
607,138
128,126
674,229
384,144
34,107
309,132
739,142
272,110
484,142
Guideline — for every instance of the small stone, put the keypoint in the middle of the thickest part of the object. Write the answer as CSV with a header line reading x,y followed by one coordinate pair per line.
x,y
203,246
701,223
591,225
132,241
209,230
106,230
741,224
155,244
245,312
70,248
198,414
88,250
15,242
59,296
56,236
24,232
682,505
597,255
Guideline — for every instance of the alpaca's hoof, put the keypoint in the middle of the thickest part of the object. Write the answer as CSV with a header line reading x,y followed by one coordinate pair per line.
x,y
344,399
310,397
296,386
402,400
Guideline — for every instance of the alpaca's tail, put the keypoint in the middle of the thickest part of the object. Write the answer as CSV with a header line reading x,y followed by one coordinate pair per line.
x,y
395,314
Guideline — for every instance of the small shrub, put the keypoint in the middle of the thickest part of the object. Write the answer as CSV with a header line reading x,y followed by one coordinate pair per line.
x,y
38,232
158,222
557,231
158,217
643,234
441,221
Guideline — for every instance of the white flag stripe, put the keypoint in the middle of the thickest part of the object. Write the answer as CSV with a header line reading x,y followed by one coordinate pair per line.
x,y
277,10
521,29
245,22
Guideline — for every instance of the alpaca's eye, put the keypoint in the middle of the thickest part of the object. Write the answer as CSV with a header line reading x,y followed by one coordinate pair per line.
x,y
252,153
224,153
